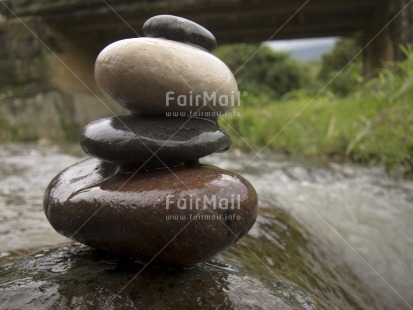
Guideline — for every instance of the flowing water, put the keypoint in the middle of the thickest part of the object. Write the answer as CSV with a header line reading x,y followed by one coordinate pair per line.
x,y
359,216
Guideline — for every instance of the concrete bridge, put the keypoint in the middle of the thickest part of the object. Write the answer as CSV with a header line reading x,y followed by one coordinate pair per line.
x,y
72,32
98,22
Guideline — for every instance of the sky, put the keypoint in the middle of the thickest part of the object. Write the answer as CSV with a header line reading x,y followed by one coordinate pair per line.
x,y
304,49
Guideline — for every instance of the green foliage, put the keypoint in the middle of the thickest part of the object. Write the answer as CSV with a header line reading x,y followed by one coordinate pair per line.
x,y
337,59
371,125
343,83
260,69
341,67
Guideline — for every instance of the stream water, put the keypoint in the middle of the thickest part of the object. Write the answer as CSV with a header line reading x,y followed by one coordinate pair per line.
x,y
360,216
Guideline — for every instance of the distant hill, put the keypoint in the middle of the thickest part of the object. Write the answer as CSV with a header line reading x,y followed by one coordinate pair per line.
x,y
305,50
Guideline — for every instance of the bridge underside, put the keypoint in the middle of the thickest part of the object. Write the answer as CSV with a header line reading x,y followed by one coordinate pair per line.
x,y
95,23
230,21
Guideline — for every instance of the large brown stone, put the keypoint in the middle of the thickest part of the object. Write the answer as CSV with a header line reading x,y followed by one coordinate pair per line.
x,y
175,217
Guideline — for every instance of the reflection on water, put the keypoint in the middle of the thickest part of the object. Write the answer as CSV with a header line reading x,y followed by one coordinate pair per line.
x,y
352,221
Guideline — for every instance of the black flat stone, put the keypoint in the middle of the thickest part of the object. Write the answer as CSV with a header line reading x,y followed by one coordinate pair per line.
x,y
131,140
179,29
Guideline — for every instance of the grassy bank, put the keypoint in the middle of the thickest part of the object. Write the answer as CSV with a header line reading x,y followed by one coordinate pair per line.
x,y
374,124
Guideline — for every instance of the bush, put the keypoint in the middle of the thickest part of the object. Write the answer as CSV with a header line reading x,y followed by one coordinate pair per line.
x,y
373,125
260,69
343,83
340,68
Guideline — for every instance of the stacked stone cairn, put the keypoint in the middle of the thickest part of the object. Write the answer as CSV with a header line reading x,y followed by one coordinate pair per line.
x,y
144,193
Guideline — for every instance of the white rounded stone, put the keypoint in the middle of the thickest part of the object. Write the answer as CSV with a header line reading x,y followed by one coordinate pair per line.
x,y
154,76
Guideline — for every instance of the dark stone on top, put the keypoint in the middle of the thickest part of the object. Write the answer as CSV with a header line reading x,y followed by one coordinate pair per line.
x,y
131,140
179,29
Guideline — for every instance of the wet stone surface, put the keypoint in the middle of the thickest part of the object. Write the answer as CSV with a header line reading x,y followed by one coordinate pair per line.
x,y
134,139
179,29
273,267
195,210
78,276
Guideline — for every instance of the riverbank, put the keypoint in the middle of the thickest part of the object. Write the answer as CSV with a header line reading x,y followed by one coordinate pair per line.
x,y
373,125
356,129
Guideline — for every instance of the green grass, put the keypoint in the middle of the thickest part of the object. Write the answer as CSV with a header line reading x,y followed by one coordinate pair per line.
x,y
372,125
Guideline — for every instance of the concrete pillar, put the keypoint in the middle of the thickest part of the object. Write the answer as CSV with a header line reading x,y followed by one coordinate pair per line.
x,y
402,27
380,46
